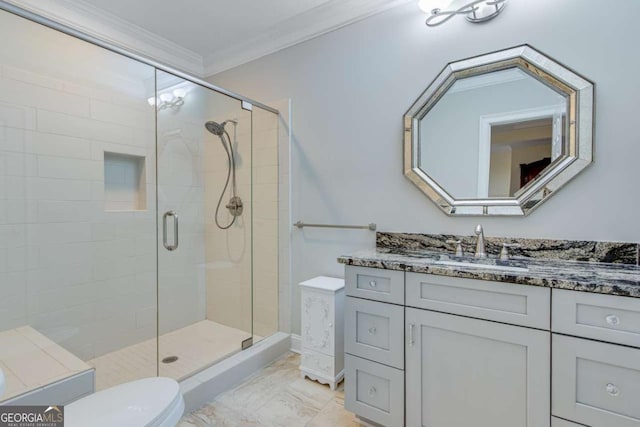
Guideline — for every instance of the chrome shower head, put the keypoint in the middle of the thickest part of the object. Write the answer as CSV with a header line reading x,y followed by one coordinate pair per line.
x,y
218,128
215,128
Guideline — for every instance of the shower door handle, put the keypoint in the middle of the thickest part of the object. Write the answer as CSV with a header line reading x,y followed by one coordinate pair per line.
x,y
175,230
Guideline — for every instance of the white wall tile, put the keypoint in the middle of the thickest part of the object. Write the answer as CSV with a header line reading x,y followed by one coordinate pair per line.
x,y
16,116
17,259
65,211
12,236
65,255
122,115
51,233
15,92
64,124
13,139
49,144
57,189
69,168
20,164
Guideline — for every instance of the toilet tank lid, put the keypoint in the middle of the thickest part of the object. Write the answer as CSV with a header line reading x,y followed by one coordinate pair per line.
x,y
140,403
324,283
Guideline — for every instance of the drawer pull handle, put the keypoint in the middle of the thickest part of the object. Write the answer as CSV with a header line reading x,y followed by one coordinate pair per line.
x,y
372,391
613,320
372,330
373,284
612,389
412,339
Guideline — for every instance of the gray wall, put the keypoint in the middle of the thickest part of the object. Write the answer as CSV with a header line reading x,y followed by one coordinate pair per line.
x,y
350,88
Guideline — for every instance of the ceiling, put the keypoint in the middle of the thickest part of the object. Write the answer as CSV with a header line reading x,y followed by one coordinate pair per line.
x,y
206,26
204,37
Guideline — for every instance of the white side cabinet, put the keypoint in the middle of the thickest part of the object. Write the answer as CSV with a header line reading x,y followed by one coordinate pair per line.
x,y
322,330
470,372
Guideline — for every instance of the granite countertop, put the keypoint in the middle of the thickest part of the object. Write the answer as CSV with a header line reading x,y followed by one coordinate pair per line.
x,y
597,277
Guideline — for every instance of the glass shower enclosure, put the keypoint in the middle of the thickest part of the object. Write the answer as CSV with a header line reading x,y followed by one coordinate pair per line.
x,y
112,264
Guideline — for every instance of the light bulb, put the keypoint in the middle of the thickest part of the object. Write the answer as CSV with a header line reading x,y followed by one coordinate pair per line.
x,y
428,6
152,101
166,97
179,93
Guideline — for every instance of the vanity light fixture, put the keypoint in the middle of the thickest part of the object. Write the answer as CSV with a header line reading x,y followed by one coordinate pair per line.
x,y
475,11
173,99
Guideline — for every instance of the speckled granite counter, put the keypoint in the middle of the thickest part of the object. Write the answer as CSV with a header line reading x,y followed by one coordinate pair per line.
x,y
604,278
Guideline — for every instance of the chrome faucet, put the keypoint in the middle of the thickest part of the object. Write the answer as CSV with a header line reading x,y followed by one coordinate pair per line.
x,y
480,251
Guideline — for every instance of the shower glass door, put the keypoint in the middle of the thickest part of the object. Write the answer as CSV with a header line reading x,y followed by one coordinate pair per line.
x,y
204,260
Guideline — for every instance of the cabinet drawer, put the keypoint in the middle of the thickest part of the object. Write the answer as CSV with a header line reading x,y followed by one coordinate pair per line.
x,y
375,331
559,422
374,391
603,317
375,283
502,302
595,383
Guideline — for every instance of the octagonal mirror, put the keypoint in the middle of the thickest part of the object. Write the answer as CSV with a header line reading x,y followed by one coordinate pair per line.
x,y
500,133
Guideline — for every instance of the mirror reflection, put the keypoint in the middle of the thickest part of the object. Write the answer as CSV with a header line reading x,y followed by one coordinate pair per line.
x,y
489,135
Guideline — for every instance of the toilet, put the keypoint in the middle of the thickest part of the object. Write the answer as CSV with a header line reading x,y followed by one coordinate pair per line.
x,y
150,402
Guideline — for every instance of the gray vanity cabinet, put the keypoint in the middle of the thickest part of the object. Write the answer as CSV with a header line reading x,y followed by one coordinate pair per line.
x,y
468,372
434,351
442,351
596,383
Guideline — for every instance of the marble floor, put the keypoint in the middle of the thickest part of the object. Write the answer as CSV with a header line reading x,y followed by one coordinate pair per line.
x,y
197,346
275,396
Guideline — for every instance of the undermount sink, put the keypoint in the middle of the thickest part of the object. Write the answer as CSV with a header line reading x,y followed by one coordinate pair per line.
x,y
484,266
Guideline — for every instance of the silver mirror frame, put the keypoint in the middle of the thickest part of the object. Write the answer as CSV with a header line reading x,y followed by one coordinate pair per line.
x,y
577,154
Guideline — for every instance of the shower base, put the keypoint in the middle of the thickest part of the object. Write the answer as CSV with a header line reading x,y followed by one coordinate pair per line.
x,y
196,347
31,361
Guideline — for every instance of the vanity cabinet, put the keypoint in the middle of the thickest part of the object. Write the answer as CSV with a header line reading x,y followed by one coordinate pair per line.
x,y
469,372
596,383
440,351
425,350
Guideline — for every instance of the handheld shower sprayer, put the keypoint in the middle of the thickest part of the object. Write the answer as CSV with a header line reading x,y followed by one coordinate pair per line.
x,y
235,205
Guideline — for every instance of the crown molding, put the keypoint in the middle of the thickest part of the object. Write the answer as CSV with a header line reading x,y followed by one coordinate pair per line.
x,y
105,26
318,21
84,17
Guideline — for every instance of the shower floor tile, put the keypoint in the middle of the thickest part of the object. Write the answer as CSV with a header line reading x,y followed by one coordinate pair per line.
x,y
197,346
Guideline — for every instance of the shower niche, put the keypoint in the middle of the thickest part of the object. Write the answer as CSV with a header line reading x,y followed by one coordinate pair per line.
x,y
125,184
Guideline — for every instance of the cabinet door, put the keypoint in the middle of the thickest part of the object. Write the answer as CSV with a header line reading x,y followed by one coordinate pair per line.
x,y
318,317
468,372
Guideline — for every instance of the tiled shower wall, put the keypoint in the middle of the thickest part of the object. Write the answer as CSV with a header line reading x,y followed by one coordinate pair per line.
x,y
265,222
82,276
232,285
228,252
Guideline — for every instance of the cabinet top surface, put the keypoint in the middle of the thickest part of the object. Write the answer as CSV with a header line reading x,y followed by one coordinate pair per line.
x,y
324,283
612,279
